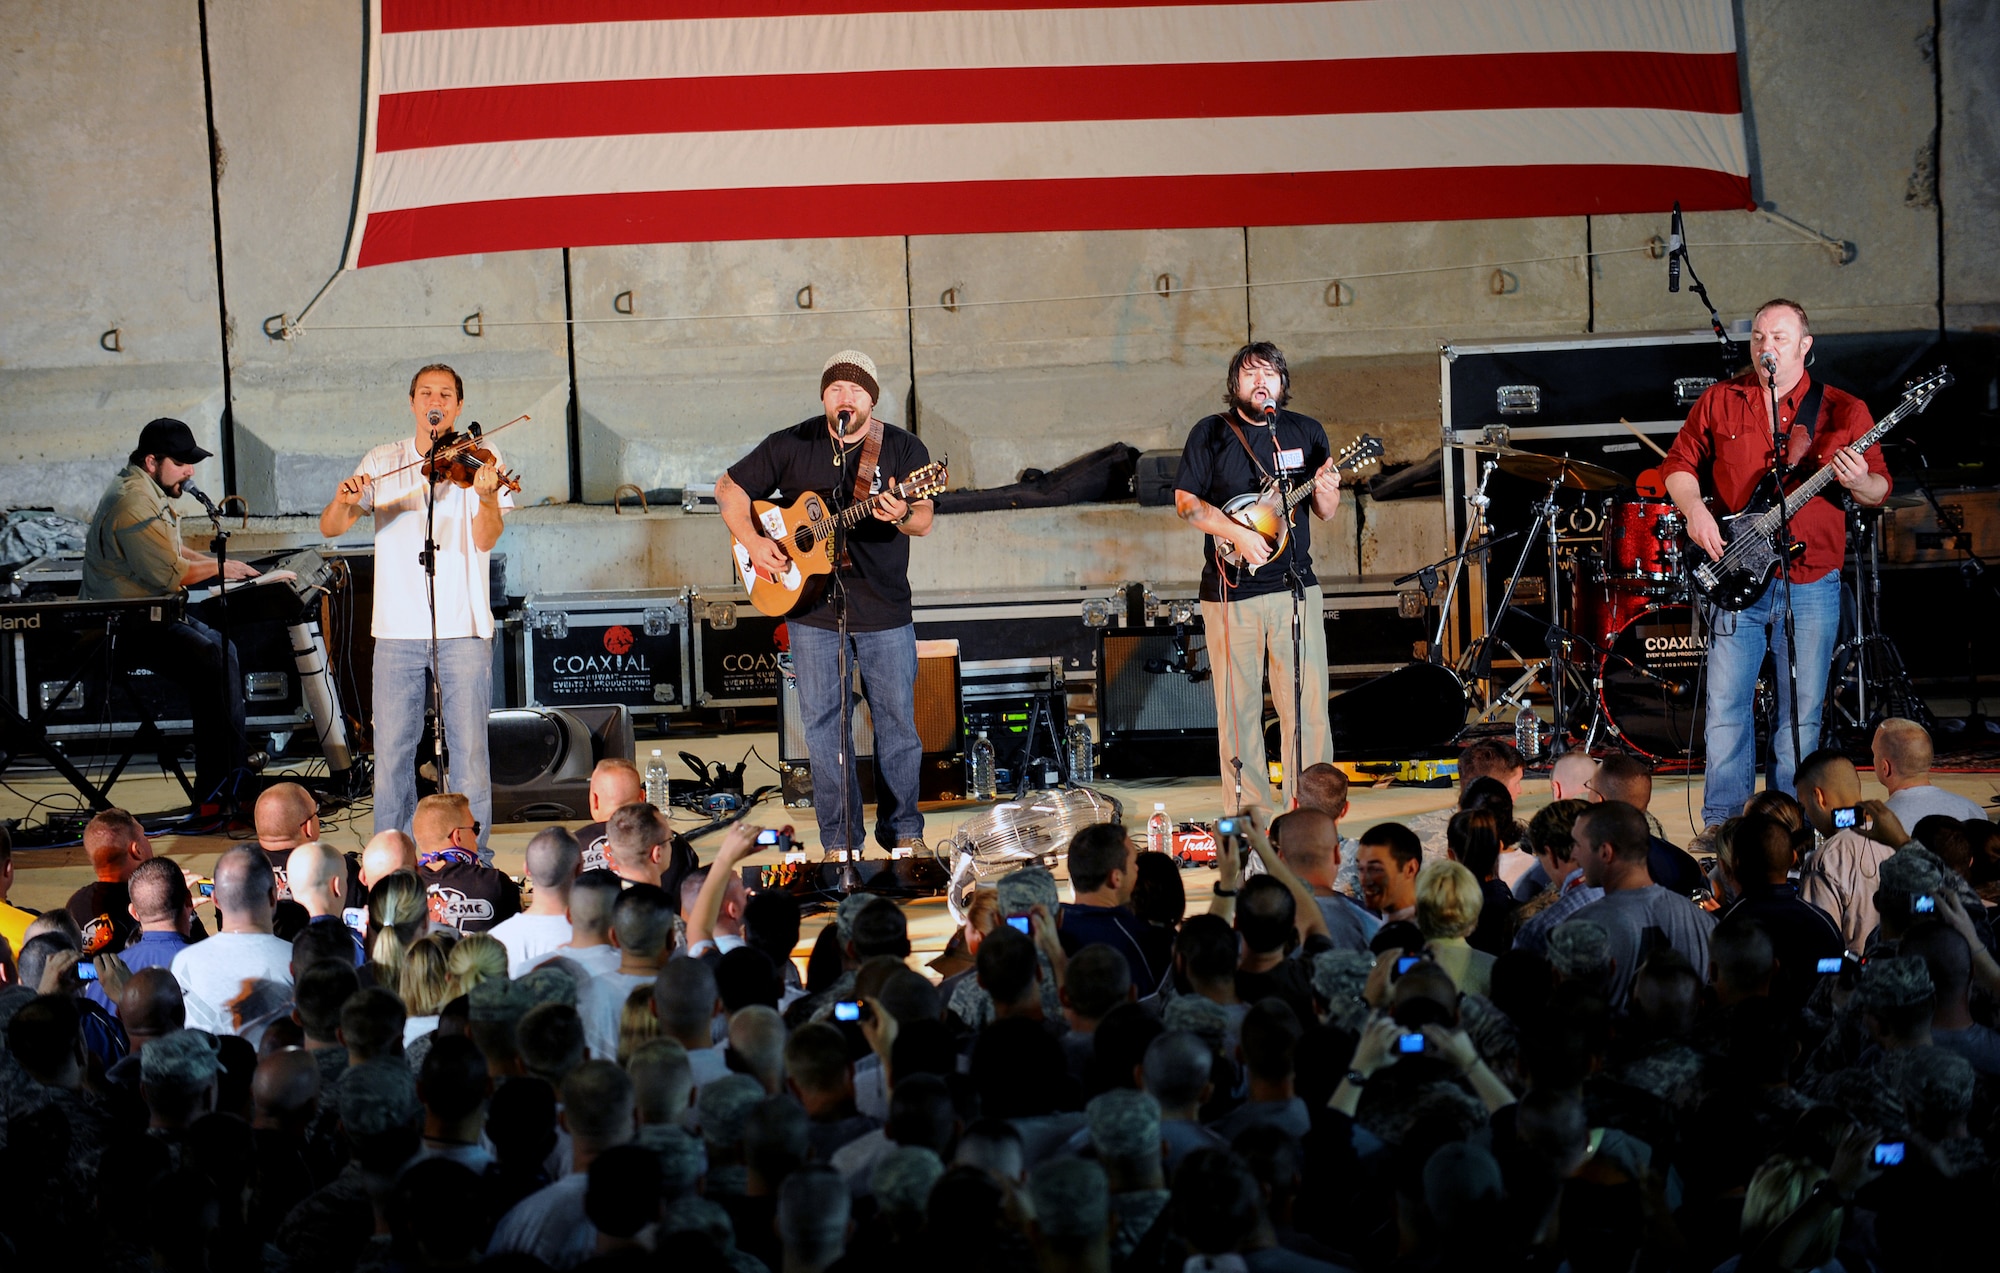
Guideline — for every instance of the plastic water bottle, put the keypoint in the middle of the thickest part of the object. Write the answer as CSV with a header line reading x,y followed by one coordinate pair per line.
x,y
1159,830
1082,761
982,768
656,781
1528,733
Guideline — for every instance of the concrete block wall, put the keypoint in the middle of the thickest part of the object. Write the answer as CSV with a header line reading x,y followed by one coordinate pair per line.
x,y
1004,351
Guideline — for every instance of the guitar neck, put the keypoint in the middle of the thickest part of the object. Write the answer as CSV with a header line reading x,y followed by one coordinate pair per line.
x,y
852,516
1813,485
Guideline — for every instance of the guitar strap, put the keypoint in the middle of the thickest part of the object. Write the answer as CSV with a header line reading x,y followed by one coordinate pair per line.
x,y
1245,444
871,452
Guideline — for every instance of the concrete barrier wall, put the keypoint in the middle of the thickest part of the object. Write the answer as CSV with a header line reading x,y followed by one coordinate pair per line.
x,y
1005,351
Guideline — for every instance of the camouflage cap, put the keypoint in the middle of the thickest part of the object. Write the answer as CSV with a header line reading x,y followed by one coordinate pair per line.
x,y
698,1215
1124,1124
184,1060
377,1097
1579,948
683,1157
500,999
549,984
1072,1198
1892,982
850,906
902,1179
1338,976
724,1107
1913,869
1021,891
1936,1084
1203,1017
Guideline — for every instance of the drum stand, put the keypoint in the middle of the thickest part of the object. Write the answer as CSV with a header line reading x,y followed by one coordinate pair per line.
x,y
1478,663
1870,656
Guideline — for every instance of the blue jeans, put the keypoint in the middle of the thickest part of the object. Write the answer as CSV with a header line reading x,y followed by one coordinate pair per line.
x,y
887,662
1735,653
402,692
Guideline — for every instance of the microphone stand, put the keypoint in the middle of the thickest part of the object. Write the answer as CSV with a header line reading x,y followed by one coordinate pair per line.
x,y
1727,347
1295,580
427,558
1780,471
219,545
850,878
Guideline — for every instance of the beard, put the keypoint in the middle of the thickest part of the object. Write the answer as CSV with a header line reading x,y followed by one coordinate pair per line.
x,y
1250,408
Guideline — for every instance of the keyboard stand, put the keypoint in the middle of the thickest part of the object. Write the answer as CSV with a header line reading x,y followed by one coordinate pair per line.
x,y
25,734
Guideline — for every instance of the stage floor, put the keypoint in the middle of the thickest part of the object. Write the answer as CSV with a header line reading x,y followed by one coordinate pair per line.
x,y
45,878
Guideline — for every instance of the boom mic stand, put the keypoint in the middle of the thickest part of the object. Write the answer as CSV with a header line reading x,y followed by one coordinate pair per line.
x,y
850,878
1781,470
1295,581
219,545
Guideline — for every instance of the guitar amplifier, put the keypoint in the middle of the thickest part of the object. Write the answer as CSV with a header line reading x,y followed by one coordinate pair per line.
x,y
939,729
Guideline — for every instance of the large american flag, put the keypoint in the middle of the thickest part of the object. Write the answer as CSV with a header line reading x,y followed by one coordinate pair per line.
x,y
503,124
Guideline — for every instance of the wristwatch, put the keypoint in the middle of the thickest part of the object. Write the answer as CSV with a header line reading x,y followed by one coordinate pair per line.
x,y
908,513
1357,1079
1220,891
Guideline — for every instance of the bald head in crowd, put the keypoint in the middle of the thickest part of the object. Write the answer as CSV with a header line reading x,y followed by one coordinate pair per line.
x,y
160,897
614,784
151,1005
437,817
246,890
386,853
286,817
284,1092
1570,777
116,844
317,875
1309,842
1827,781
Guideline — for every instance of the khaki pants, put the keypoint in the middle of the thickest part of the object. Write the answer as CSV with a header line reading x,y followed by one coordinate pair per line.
x,y
1244,638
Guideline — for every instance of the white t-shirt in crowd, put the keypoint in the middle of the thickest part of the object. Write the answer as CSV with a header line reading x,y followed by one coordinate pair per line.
x,y
235,983
528,938
601,1005
464,602
593,961
1913,804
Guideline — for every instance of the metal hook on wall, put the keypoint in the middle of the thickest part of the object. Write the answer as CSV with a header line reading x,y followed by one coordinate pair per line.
x,y
622,303
475,323
949,299
240,502
1164,285
1504,283
803,298
113,341
1338,294
618,498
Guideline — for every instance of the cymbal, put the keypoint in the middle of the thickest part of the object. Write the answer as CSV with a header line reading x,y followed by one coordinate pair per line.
x,y
1579,475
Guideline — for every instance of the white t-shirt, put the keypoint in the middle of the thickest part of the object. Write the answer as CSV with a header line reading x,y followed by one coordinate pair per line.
x,y
528,938
464,602
601,1005
1912,805
235,983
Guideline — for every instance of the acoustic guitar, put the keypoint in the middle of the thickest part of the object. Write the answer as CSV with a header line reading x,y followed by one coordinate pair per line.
x,y
804,529
1269,513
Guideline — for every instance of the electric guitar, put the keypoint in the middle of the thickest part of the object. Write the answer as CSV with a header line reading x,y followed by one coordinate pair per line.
x,y
804,529
1269,513
1752,556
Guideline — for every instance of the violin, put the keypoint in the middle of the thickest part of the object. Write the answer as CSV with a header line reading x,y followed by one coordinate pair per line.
x,y
456,457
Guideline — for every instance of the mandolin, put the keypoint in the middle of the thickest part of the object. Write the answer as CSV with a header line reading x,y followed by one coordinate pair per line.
x,y
1269,513
804,529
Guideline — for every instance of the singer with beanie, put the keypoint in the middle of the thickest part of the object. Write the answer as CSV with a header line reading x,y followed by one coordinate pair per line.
x,y
1246,608
1725,449
844,447
134,549
389,483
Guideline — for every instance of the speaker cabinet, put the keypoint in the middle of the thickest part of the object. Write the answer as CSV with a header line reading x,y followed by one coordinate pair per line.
x,y
1153,718
938,728
542,758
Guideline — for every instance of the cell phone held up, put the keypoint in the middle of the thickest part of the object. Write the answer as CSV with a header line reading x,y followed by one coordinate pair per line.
x,y
775,838
1848,818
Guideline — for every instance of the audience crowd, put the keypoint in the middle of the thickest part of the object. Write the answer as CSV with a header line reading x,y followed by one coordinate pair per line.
x,y
1459,1043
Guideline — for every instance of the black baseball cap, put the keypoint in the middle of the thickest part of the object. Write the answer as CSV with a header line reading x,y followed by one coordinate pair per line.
x,y
172,439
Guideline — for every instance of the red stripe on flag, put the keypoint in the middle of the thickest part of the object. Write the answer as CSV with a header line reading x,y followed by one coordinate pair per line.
x,y
447,15
973,207
1658,81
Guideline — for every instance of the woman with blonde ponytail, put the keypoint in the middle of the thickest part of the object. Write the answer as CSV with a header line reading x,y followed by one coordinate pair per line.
x,y
398,914
476,958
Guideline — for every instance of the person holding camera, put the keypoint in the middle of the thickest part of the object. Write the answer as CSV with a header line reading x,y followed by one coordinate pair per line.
x,y
1841,875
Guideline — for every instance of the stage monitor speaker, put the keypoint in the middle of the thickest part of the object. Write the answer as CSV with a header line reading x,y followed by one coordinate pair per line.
x,y
1154,720
938,713
542,758
1414,709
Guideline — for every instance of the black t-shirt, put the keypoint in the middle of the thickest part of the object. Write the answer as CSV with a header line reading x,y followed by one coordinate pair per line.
x,y
1214,468
355,895
103,910
467,896
792,461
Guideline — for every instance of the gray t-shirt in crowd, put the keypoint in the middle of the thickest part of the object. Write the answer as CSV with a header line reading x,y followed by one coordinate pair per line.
x,y
1640,921
1913,804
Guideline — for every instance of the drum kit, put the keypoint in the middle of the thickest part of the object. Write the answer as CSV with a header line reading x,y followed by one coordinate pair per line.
x,y
1624,637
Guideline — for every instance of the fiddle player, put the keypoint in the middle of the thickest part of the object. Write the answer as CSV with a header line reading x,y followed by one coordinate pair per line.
x,y
390,483
134,549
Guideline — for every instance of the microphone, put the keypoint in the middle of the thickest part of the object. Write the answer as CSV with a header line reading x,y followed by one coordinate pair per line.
x,y
1676,244
841,419
189,488
1769,362
1270,411
436,417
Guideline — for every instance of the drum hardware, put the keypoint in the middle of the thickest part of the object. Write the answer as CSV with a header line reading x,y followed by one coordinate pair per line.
x,y
1870,656
1577,475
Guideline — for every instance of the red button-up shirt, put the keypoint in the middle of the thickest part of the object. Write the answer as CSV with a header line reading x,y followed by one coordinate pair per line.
x,y
1726,444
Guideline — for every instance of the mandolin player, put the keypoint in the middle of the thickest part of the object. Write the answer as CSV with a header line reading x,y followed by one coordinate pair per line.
x,y
847,455
390,483
1725,450
1246,606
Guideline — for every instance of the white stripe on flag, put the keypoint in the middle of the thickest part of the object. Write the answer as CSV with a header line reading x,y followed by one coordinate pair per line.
x,y
422,61
780,158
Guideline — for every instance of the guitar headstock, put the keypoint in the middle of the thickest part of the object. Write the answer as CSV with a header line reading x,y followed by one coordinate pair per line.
x,y
1363,449
1920,392
922,483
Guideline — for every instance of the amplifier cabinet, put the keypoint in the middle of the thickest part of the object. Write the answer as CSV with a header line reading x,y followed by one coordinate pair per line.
x,y
940,729
625,647
1554,397
1373,624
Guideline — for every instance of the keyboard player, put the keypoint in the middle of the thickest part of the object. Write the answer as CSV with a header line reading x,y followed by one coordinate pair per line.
x,y
134,549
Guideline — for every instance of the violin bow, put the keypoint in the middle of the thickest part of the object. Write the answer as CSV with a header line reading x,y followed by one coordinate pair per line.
x,y
464,444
